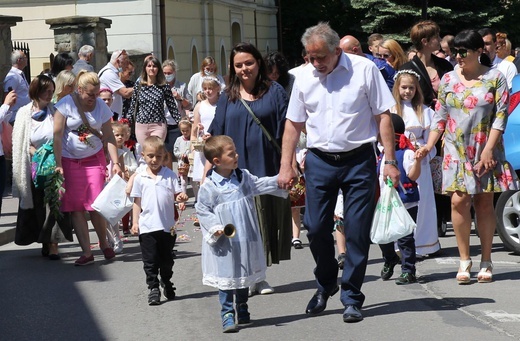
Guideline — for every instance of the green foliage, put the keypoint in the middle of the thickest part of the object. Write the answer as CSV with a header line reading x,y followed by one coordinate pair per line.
x,y
53,192
394,19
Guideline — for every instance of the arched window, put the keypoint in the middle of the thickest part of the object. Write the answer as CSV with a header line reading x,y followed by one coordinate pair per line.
x,y
195,67
236,34
223,61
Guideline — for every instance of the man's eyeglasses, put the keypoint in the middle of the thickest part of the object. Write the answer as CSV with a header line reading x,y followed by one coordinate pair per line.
x,y
384,55
463,53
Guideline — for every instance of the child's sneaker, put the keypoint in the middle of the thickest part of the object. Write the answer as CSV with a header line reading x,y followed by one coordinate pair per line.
x,y
154,297
388,269
243,315
228,323
405,278
118,247
169,292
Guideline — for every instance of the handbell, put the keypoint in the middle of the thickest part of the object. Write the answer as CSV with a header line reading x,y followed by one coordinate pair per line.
x,y
229,230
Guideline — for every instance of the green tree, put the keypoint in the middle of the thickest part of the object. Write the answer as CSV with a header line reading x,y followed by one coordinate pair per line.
x,y
394,19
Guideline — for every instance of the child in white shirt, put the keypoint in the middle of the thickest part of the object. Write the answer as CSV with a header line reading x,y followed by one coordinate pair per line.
x,y
154,192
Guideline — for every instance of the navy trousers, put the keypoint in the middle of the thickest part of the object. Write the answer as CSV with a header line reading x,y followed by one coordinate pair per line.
x,y
356,177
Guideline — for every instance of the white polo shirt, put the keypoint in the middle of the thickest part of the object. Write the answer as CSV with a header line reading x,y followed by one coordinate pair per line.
x,y
507,68
157,199
339,107
109,78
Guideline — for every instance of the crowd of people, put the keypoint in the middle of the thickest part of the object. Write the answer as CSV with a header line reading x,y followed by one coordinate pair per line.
x,y
344,119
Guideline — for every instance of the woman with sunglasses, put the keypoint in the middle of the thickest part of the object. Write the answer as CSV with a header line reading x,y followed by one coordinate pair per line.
x,y
392,52
35,127
471,115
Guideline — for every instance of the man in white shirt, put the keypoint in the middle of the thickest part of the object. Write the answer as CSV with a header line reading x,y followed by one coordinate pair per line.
x,y
9,102
15,80
508,69
344,103
109,78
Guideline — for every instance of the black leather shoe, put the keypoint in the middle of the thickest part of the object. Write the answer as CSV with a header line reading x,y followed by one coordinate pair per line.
x,y
318,302
352,314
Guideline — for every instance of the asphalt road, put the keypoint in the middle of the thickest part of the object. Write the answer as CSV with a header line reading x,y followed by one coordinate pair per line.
x,y
54,300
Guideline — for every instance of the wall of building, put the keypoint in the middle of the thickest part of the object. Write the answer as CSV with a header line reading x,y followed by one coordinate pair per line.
x,y
191,25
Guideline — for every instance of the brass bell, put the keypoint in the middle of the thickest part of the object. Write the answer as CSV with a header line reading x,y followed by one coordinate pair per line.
x,y
229,230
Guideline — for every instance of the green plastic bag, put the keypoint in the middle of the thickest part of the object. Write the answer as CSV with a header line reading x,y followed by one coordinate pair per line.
x,y
391,219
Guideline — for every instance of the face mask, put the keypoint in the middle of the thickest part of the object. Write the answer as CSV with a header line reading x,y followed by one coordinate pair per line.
x,y
208,73
170,78
119,69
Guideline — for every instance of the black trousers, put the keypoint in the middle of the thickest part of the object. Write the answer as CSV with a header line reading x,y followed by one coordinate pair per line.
x,y
156,250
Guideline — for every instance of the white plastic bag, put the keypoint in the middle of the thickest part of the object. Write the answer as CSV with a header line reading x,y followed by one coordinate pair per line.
x,y
113,203
391,219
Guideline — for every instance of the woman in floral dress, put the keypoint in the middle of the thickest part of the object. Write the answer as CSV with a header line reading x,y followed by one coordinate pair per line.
x,y
471,114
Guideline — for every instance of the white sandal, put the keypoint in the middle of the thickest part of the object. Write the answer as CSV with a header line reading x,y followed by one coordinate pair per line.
x,y
464,276
485,275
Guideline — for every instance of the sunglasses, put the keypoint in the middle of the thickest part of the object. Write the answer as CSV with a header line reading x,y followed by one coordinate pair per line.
x,y
385,55
463,53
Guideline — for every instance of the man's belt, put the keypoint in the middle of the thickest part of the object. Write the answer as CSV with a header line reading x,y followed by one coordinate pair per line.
x,y
341,156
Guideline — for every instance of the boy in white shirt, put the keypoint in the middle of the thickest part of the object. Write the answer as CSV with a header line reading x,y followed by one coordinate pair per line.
x,y
154,192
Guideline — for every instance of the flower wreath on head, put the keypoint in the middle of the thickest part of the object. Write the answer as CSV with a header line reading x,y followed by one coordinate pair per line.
x,y
407,71
211,78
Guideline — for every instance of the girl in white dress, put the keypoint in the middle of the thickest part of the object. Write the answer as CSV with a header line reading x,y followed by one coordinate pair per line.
x,y
203,115
417,118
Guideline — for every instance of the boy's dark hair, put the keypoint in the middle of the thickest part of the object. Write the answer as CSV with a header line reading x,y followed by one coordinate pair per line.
x,y
214,146
398,123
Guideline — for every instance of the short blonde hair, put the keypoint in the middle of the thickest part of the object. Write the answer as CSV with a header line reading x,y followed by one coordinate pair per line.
x,y
153,142
185,123
214,146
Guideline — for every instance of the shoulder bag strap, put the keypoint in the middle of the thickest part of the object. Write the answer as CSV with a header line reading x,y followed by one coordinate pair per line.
x,y
257,121
84,118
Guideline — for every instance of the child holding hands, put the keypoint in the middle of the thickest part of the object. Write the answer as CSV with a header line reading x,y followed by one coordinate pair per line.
x,y
234,261
155,191
408,191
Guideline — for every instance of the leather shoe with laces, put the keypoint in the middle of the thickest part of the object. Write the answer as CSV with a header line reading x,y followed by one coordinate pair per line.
x,y
318,302
352,314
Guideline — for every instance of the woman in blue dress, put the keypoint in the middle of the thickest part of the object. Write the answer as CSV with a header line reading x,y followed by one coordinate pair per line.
x,y
268,101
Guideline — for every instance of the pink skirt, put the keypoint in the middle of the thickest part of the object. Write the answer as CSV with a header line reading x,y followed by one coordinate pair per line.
x,y
84,180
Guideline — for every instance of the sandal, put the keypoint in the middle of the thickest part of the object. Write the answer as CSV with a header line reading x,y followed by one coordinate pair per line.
x,y
485,275
464,276
297,243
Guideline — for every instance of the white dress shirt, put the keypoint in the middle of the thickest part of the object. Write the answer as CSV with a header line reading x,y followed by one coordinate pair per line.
x,y
339,107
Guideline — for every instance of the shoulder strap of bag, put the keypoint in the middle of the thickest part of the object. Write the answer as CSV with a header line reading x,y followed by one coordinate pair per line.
x,y
257,121
84,118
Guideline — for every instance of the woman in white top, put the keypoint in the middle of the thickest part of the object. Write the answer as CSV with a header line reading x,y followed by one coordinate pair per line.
x,y
207,69
34,127
78,148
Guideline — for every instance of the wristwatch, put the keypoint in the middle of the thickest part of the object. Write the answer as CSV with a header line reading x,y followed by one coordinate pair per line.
x,y
391,162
